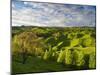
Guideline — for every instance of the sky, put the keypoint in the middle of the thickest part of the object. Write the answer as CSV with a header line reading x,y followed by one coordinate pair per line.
x,y
52,14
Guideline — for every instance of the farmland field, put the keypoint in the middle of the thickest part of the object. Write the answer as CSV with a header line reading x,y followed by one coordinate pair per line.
x,y
52,49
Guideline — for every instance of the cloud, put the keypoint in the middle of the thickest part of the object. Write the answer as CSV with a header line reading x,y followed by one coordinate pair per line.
x,y
49,14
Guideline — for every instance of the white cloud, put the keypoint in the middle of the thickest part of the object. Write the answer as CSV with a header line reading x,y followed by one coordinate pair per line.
x,y
25,2
44,14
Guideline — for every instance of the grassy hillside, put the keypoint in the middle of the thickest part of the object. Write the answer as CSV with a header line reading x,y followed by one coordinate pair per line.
x,y
50,49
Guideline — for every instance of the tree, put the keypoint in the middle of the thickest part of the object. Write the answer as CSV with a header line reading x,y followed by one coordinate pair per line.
x,y
92,60
28,42
78,57
45,56
68,56
61,57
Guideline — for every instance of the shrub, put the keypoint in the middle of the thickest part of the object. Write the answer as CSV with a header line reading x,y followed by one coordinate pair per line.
x,y
45,56
92,60
75,42
68,57
61,56
78,57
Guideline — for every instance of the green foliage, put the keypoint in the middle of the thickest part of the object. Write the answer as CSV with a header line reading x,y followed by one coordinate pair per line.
x,y
68,56
51,41
45,57
92,60
61,56
75,42
93,42
54,48
80,35
30,42
86,42
78,57
70,45
72,35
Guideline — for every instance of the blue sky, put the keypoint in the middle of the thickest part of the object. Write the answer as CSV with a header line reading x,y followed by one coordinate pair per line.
x,y
50,14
